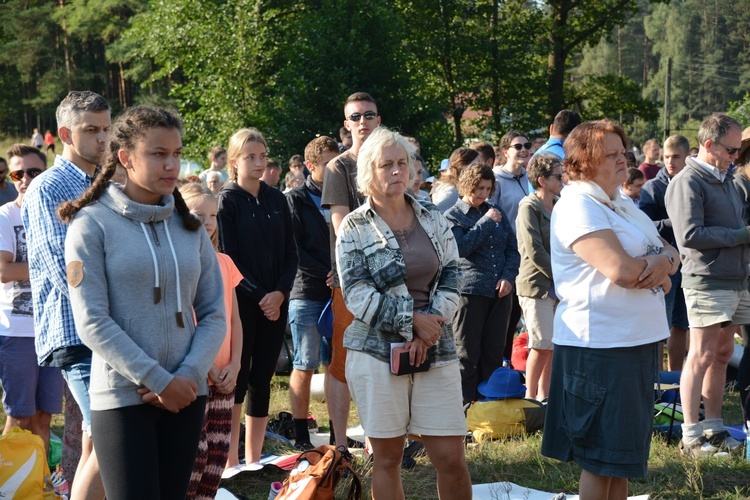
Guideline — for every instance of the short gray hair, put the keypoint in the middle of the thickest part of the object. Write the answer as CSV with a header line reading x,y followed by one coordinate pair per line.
x,y
212,174
715,127
75,103
542,165
370,152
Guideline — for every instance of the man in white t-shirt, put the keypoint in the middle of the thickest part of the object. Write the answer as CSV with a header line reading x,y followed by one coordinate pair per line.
x,y
31,394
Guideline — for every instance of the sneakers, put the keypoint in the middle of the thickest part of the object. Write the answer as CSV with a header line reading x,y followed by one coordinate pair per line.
x,y
723,441
698,448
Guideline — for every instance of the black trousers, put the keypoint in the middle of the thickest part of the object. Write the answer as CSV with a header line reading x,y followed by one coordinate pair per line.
x,y
261,344
145,452
479,330
515,317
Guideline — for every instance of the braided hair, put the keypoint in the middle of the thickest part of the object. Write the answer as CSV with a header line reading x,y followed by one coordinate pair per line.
x,y
130,127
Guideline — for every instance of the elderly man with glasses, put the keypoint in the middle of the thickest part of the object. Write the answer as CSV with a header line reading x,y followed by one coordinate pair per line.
x,y
707,218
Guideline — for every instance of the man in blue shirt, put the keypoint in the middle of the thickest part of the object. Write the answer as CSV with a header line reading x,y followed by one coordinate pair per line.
x,y
83,120
564,123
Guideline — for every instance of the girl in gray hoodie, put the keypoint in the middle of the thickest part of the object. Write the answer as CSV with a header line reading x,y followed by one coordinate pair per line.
x,y
147,299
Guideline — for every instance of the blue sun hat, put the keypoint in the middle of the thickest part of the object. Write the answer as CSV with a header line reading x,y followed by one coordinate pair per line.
x,y
504,383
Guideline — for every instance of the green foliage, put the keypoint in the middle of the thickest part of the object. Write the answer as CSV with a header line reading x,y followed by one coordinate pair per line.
x,y
612,96
740,110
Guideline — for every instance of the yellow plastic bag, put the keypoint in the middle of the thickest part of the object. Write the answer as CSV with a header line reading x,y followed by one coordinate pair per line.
x,y
504,418
24,473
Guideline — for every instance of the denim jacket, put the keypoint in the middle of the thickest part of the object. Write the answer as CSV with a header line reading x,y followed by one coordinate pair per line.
x,y
488,250
373,281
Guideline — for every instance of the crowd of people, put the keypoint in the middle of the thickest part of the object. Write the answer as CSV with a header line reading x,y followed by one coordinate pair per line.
x,y
602,261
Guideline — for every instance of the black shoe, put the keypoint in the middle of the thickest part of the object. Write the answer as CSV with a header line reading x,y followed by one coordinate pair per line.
x,y
303,446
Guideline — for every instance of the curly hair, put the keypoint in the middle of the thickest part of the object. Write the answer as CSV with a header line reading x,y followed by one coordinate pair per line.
x,y
584,148
472,175
129,128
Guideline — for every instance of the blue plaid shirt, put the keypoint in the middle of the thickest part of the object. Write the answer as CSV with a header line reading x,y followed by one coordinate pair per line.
x,y
45,238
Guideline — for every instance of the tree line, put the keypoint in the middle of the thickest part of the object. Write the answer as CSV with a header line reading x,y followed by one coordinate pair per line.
x,y
442,70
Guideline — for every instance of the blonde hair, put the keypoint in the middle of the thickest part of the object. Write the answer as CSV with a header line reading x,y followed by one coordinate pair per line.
x,y
237,142
194,193
370,152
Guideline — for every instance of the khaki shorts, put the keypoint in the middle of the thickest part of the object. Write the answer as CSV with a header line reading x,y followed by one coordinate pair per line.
x,y
428,403
711,307
539,315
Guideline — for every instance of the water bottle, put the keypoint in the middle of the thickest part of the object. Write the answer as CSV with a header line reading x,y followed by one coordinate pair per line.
x,y
275,489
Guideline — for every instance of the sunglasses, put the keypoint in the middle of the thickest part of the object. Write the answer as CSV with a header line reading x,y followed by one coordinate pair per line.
x,y
519,147
370,115
559,176
17,175
731,151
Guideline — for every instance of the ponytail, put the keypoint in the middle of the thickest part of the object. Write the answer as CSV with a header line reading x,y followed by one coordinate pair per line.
x,y
189,221
69,209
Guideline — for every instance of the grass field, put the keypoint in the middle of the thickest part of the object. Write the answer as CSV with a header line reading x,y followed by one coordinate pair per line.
x,y
7,141
671,476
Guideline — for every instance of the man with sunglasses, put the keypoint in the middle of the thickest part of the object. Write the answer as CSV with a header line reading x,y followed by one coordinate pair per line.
x,y
7,192
31,394
341,196
707,219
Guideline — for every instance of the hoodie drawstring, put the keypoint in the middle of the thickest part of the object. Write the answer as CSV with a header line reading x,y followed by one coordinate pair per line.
x,y
180,320
157,288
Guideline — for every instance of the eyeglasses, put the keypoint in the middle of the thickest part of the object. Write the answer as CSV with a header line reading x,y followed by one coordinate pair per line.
x,y
731,151
17,175
519,147
369,115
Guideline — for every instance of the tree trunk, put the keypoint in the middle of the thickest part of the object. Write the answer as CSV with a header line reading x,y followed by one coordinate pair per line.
x,y
64,28
458,136
556,61
556,78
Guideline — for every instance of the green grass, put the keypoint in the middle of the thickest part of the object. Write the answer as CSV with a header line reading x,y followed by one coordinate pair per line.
x,y
671,476
7,141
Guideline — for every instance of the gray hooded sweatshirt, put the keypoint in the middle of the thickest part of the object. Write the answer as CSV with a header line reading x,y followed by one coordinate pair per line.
x,y
135,276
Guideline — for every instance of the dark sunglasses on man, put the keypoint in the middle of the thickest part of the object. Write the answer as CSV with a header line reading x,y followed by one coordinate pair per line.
x,y
17,175
369,115
519,147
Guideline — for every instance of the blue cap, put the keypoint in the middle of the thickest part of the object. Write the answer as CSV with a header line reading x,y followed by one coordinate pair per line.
x,y
444,164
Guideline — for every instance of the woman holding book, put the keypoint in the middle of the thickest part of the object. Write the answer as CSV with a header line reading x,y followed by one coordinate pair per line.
x,y
398,266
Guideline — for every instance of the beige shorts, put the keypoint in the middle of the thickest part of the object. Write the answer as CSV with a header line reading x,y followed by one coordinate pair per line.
x,y
711,307
428,403
539,315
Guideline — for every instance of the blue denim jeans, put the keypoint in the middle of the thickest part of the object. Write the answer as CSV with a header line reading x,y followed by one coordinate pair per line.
x,y
78,376
675,304
303,320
